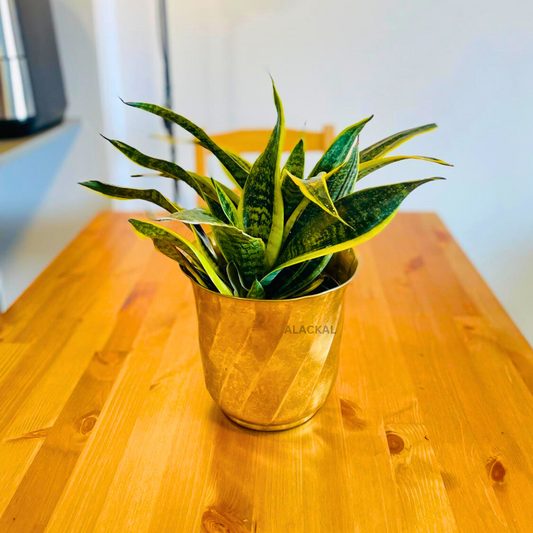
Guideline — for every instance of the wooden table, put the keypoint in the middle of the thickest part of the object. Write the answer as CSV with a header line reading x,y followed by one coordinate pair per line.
x,y
105,424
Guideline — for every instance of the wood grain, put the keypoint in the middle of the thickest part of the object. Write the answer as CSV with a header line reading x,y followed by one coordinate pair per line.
x,y
105,424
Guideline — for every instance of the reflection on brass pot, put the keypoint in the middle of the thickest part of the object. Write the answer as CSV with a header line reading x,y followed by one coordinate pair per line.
x,y
270,364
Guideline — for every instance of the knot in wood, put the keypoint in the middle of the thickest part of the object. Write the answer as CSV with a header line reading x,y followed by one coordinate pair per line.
x,y
496,470
87,422
350,414
214,521
395,442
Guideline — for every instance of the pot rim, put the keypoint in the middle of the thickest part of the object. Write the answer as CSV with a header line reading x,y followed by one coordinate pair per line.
x,y
349,280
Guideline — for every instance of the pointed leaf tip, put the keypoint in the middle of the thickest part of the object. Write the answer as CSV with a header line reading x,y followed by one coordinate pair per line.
x,y
133,104
367,212
256,292
390,143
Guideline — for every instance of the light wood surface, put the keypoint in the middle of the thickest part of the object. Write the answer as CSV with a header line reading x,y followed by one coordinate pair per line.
x,y
105,424
240,141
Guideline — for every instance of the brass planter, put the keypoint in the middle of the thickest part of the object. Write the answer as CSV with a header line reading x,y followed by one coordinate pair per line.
x,y
270,364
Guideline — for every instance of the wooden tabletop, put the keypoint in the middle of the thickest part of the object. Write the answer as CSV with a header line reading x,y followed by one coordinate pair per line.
x,y
105,424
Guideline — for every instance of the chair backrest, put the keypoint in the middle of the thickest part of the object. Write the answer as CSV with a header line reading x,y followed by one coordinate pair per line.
x,y
256,140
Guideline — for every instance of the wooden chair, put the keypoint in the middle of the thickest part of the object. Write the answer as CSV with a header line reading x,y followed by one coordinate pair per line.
x,y
255,141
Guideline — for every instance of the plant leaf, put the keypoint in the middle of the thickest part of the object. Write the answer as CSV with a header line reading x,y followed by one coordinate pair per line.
x,y
367,213
166,168
233,166
159,232
261,205
345,182
270,277
227,205
341,177
388,144
306,210
235,280
256,292
295,165
214,207
197,215
247,252
300,276
340,148
380,162
126,193
168,249
205,183
235,198
304,290
316,190
242,162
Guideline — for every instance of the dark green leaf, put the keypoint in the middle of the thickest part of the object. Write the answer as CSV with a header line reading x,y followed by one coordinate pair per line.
x,y
247,252
233,166
388,144
316,190
229,208
312,286
205,245
201,186
344,151
256,292
242,162
295,165
235,280
340,149
303,275
343,184
367,212
306,210
261,205
270,277
375,164
197,215
214,207
168,249
154,231
126,193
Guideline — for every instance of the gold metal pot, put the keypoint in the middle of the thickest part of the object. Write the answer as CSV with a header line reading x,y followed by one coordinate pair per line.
x,y
270,364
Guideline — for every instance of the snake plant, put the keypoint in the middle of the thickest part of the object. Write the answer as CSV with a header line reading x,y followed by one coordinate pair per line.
x,y
272,234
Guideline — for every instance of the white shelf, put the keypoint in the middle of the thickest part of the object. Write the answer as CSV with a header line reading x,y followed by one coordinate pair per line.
x,y
12,149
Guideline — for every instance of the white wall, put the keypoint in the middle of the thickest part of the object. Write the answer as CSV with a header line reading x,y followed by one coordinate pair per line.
x,y
465,65
40,190
131,66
